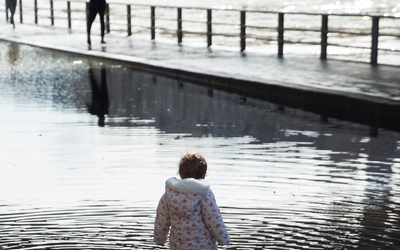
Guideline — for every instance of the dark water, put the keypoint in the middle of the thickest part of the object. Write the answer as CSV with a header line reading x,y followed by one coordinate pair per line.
x,y
86,145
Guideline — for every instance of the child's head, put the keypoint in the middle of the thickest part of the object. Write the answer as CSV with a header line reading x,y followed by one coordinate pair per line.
x,y
192,165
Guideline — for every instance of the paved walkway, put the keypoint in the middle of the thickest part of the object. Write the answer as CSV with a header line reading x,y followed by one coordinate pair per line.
x,y
298,71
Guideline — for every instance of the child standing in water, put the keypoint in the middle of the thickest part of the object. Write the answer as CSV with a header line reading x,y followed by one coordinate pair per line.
x,y
188,209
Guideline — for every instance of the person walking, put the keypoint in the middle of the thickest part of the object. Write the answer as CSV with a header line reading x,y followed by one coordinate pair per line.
x,y
11,5
96,6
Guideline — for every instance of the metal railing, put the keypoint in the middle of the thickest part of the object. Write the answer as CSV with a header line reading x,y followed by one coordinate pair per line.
x,y
280,29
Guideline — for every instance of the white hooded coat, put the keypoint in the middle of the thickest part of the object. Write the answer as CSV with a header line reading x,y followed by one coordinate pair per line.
x,y
189,211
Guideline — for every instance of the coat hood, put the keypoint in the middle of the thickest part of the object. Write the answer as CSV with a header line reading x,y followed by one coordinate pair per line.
x,y
188,186
185,195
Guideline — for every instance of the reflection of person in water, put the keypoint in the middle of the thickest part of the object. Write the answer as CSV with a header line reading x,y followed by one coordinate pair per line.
x,y
96,6
13,56
99,105
13,53
11,5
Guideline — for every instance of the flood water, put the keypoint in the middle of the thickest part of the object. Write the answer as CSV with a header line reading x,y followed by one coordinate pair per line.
x,y
86,146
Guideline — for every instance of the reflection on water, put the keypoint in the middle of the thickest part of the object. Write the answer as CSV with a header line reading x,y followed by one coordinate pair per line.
x,y
99,105
283,178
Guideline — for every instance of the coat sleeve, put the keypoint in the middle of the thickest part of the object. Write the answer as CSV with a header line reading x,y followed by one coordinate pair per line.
x,y
162,222
213,219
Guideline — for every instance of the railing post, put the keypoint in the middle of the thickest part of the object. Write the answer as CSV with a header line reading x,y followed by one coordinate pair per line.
x,y
36,12
128,10
20,11
153,22
280,34
375,36
51,12
69,14
324,36
179,31
209,28
108,18
242,30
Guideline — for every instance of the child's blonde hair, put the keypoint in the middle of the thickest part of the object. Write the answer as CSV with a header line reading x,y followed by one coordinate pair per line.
x,y
192,165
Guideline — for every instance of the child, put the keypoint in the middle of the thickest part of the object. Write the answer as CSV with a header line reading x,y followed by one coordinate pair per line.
x,y
188,209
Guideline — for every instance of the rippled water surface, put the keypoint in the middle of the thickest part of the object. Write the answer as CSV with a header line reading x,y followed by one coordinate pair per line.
x,y
86,147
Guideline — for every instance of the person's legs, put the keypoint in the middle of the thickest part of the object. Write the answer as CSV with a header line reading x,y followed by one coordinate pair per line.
x,y
13,7
92,16
8,7
102,25
11,4
12,16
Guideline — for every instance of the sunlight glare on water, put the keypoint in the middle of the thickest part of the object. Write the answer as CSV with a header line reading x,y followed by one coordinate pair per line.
x,y
86,147
343,6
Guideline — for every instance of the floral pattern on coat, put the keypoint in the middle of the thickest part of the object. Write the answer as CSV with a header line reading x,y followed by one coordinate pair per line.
x,y
190,215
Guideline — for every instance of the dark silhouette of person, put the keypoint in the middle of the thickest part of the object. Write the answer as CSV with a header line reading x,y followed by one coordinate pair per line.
x,y
100,102
96,6
11,5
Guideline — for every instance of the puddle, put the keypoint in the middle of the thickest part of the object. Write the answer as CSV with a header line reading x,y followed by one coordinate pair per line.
x,y
87,145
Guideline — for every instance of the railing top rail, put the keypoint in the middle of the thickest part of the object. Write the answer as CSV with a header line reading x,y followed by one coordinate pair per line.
x,y
250,10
